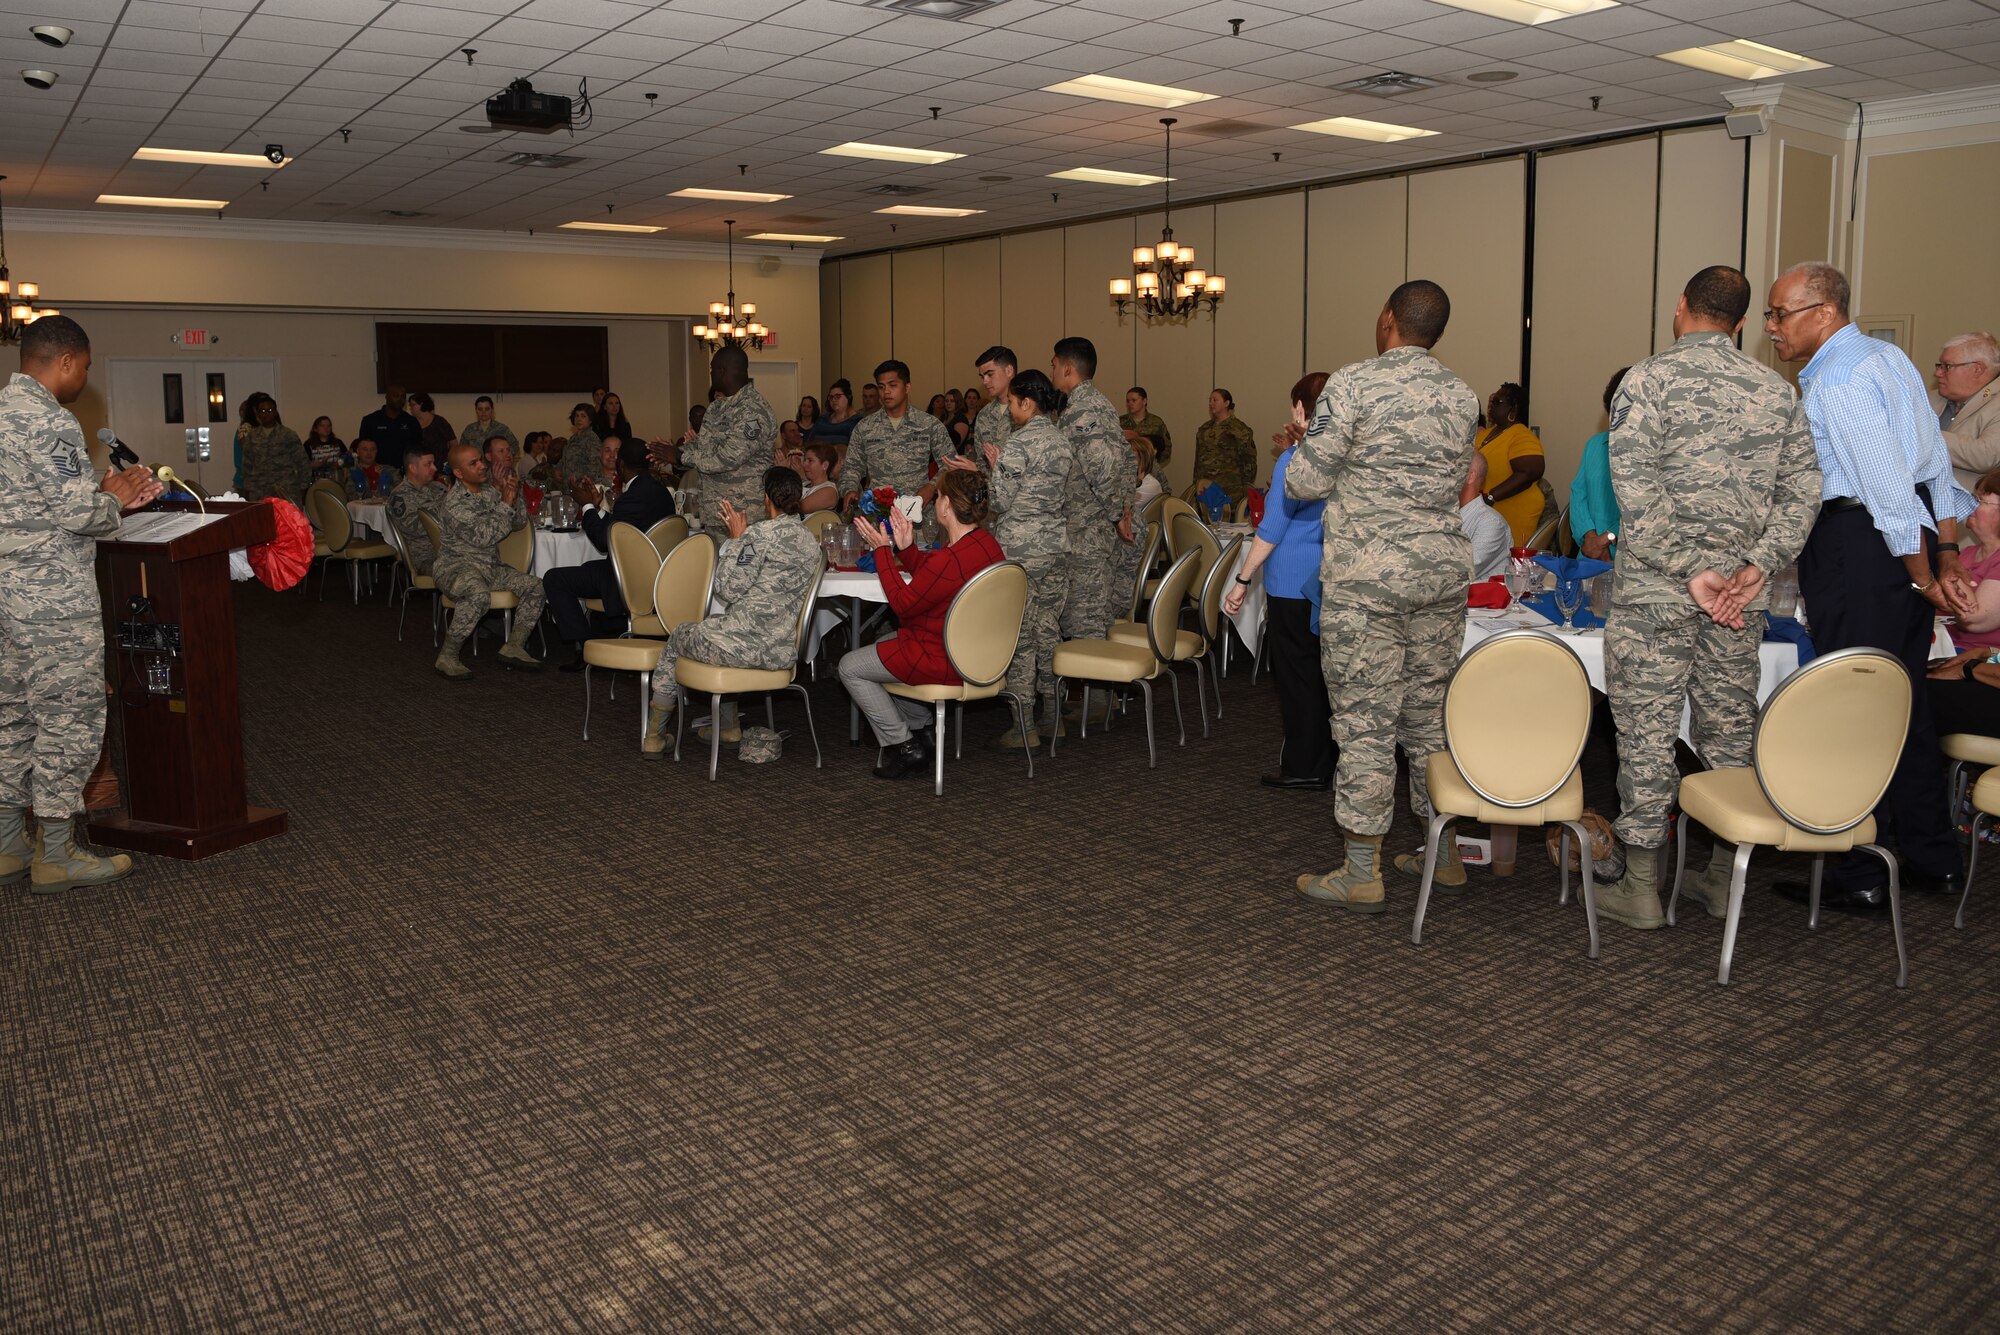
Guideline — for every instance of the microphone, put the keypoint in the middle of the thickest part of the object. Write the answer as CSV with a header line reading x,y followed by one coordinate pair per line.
x,y
121,453
167,476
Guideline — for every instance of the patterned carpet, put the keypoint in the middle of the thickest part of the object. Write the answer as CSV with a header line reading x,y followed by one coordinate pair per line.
x,y
516,1032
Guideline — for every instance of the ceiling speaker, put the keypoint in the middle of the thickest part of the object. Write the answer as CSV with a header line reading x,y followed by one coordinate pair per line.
x,y
1747,122
768,265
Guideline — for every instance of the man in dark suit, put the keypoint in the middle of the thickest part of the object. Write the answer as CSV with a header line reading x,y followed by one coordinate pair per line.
x,y
642,502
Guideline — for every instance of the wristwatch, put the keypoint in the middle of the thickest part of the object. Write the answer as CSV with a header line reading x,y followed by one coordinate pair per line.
x,y
1244,582
1926,586
1947,546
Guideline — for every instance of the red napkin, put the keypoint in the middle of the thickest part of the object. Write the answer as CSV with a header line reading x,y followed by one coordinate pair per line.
x,y
1254,505
1491,593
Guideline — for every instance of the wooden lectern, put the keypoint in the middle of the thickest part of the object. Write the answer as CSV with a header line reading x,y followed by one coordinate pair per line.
x,y
171,629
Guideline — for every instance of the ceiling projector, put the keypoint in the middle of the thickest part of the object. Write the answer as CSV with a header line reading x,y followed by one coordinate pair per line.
x,y
520,107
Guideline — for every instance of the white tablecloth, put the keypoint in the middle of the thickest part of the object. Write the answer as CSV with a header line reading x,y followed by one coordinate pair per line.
x,y
554,550
370,515
1249,622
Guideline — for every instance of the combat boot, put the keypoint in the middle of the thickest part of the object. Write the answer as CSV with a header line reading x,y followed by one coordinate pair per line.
x,y
654,746
1710,885
1010,740
1074,714
14,850
1357,886
60,864
448,666
516,658
1449,879
1635,900
732,727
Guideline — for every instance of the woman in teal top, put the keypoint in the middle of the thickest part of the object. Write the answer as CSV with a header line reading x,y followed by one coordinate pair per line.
x,y
1593,506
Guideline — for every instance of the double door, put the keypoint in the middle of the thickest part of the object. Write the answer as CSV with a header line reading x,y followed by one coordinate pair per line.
x,y
163,408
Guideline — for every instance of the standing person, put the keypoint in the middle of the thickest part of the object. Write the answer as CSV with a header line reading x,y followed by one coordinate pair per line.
x,y
478,513
993,422
419,493
895,447
273,461
1881,560
326,453
731,451
1593,505
610,419
1287,549
1097,502
393,429
51,626
583,453
1389,442
1514,462
1030,469
1225,448
1140,421
483,427
433,430
1715,476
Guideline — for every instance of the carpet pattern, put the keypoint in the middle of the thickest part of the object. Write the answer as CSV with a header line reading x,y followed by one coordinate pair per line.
x,y
514,1031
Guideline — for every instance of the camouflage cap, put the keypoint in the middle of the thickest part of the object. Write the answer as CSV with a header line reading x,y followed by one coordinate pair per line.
x,y
760,746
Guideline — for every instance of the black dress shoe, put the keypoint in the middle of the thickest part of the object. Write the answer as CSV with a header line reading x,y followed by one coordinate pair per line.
x,y
1952,883
1287,781
574,665
902,761
1867,900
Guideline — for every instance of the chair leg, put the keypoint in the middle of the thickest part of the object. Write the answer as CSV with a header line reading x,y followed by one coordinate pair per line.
x,y
937,746
1052,726
1085,727
1021,715
1680,864
1955,785
645,703
1562,862
1217,671
1200,698
714,733
1152,755
1438,822
958,750
680,718
1979,822
1589,891
1738,870
1174,685
819,759
402,616
1812,890
770,713
586,702
1895,912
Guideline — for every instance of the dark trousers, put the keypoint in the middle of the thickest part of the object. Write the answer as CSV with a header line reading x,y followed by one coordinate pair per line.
x,y
1858,594
568,586
1302,699
1965,706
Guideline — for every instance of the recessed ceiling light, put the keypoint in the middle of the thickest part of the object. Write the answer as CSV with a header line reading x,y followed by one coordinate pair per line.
x,y
611,227
1531,11
804,237
163,202
1126,90
929,211
1493,76
1353,127
1105,176
1743,60
204,159
928,157
731,196
996,180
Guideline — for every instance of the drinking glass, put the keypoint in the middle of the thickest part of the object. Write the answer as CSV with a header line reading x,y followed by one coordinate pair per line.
x,y
1785,592
1569,597
1600,597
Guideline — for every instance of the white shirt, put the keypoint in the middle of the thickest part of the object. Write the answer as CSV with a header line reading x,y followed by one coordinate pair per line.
x,y
1149,487
1492,539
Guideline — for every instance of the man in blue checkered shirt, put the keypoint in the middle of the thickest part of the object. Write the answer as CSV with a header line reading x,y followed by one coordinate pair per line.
x,y
1882,558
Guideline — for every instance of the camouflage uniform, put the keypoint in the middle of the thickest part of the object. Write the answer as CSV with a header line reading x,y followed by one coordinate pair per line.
x,y
1152,428
469,567
888,453
1714,467
476,435
51,628
1388,446
1028,490
991,426
1226,453
275,463
1099,489
407,502
738,439
761,579
583,456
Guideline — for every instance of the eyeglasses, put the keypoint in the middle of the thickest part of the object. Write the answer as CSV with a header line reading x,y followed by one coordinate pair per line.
x,y
1778,314
1954,366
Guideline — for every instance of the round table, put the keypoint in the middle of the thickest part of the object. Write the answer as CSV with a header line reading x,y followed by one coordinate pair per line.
x,y
370,516
554,550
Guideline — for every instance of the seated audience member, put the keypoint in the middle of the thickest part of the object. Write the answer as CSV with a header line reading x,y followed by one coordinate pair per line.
x,y
1593,506
1150,486
417,494
763,575
807,415
817,465
1968,395
915,653
607,460
610,418
697,415
1492,540
1981,561
1131,546
1514,463
939,407
367,479
1965,694
326,453
539,453
791,447
499,452
581,454
483,428
642,503
837,424
432,430
477,514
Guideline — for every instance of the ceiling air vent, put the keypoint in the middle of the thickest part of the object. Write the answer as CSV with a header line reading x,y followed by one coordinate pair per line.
x,y
540,160
935,9
1389,83
899,191
404,213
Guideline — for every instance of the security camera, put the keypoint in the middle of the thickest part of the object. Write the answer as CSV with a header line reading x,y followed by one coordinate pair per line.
x,y
39,78
275,152
52,34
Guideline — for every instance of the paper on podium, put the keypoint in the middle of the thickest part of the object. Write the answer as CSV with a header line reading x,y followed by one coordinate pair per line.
x,y
163,525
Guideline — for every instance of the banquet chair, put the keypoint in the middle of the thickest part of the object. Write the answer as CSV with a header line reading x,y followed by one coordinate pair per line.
x,y
1150,512
1502,775
322,487
1810,787
668,534
337,542
517,549
678,593
1543,539
1151,545
1171,508
982,628
819,521
1986,803
1188,531
1116,664
694,675
499,600
1966,751
1193,646
634,562
413,583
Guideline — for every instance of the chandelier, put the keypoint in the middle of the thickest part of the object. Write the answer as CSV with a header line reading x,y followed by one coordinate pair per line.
x,y
1165,284
17,300
729,323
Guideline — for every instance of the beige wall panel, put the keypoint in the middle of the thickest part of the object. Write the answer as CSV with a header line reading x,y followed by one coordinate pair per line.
x,y
1468,230
971,306
1357,241
865,313
829,327
1594,212
919,318
1177,360
1031,294
1701,216
1094,254
1260,344
1805,207
1920,260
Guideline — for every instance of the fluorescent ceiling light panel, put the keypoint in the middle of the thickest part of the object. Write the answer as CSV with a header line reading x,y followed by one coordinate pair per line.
x,y
200,158
1353,127
612,227
804,237
1104,87
926,157
163,202
1531,11
1743,60
929,211
731,196
1105,176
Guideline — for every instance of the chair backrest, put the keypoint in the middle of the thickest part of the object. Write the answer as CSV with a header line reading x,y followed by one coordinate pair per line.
x,y
1150,512
668,534
517,549
982,627
1149,552
681,585
1190,534
1171,508
806,609
1214,585
1543,539
323,488
432,530
819,521
1829,737
394,537
1163,618
1506,761
635,561
336,530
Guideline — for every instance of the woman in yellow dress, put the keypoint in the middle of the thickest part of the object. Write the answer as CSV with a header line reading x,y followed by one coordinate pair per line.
x,y
1514,462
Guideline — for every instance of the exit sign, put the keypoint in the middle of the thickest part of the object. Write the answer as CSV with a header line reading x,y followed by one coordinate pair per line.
x,y
194,338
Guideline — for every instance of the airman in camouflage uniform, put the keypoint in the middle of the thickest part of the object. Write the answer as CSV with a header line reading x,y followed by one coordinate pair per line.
x,y
418,494
890,451
1030,484
582,456
1388,447
991,426
478,513
763,575
738,436
1714,467
1225,452
1140,420
51,630
275,463
1098,493
477,433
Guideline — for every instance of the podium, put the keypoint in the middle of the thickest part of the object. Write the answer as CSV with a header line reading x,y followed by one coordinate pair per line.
x,y
170,628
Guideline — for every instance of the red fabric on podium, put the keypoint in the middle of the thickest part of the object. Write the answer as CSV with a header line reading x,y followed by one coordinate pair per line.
x,y
283,561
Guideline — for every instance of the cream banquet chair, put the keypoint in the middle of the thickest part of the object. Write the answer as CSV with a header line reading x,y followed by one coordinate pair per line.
x,y
982,627
1986,801
1193,646
635,561
1967,751
338,543
1151,545
499,600
680,588
415,583
668,534
1827,743
1501,774
694,675
819,521
1171,508
517,549
1115,664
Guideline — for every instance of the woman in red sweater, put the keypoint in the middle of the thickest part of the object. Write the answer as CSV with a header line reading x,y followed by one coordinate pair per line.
x,y
915,653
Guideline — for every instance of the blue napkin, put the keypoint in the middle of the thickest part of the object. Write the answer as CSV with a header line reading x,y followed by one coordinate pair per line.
x,y
1569,571
1215,500
866,561
1790,631
1545,603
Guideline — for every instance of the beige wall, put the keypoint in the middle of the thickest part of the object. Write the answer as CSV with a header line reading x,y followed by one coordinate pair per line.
x,y
1929,251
